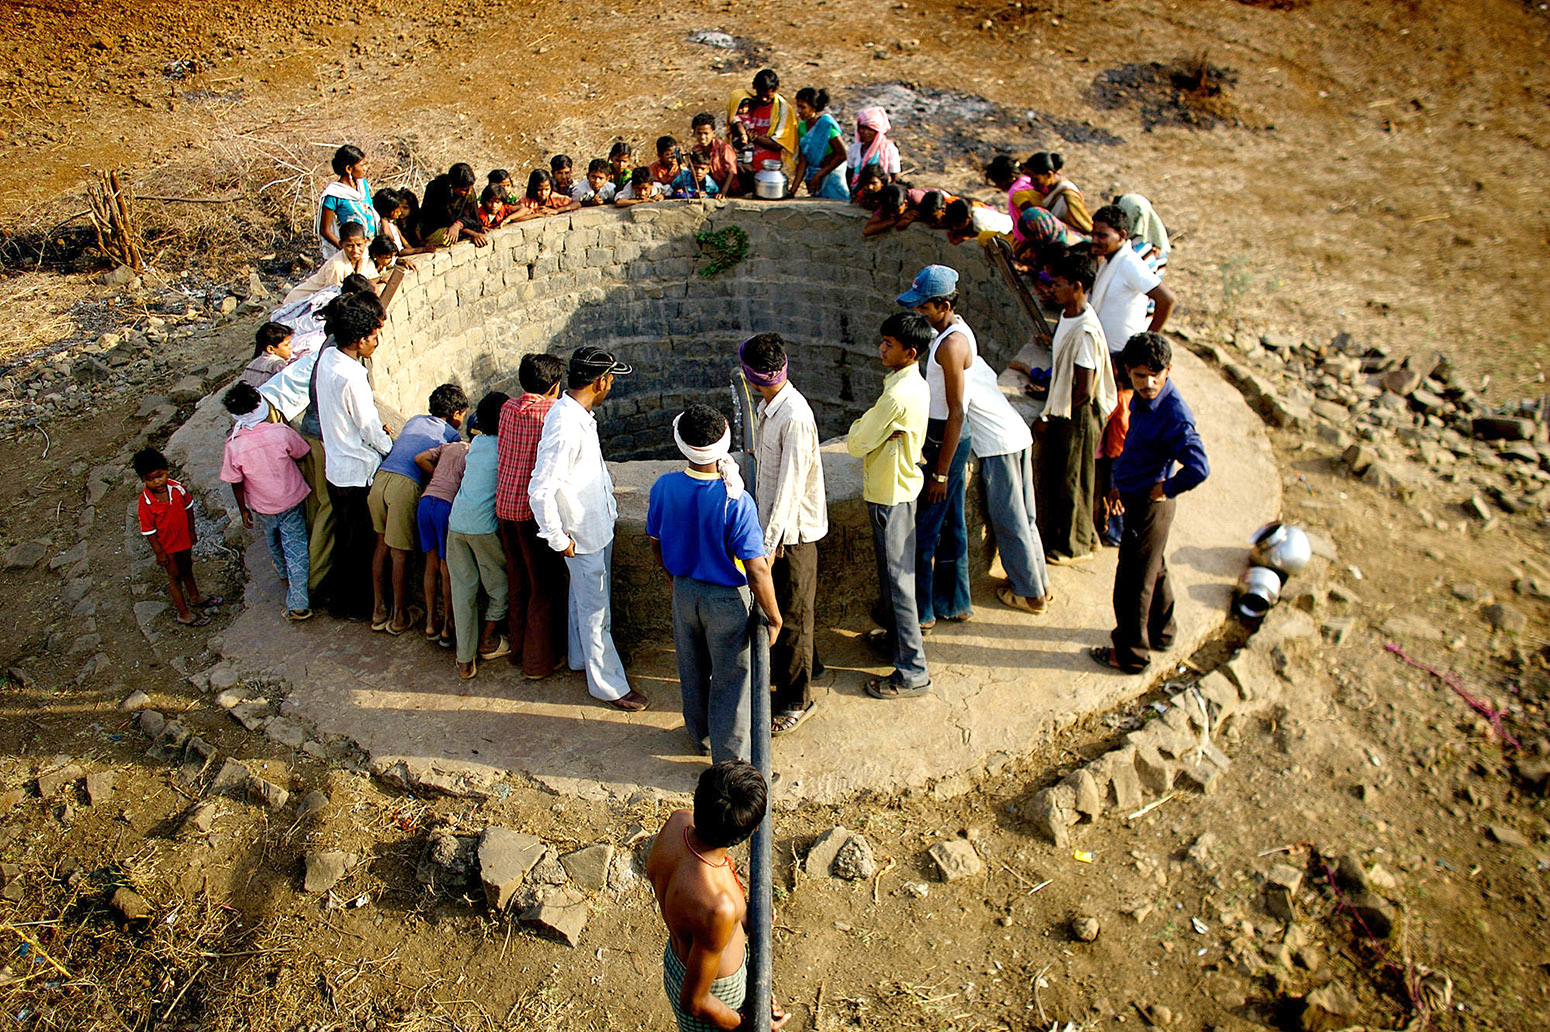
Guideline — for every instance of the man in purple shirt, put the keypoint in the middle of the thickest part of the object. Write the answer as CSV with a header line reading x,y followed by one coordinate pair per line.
x,y
1162,435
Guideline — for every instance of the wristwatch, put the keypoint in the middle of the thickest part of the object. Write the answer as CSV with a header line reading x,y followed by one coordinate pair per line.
x,y
938,478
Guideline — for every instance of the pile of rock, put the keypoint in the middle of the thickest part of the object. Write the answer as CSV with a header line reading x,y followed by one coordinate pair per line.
x,y
1399,421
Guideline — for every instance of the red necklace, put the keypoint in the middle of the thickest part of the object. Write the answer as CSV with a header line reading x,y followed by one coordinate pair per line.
x,y
726,861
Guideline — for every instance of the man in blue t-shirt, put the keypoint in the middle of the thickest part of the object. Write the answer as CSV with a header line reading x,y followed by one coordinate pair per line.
x,y
393,499
704,530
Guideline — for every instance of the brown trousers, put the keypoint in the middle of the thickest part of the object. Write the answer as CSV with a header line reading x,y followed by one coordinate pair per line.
x,y
1066,465
537,589
1143,599
793,657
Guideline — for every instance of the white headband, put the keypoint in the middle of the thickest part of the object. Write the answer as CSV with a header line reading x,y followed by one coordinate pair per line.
x,y
719,453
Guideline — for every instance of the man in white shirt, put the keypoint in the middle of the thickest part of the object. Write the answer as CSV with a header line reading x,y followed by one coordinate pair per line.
x,y
1124,284
572,497
795,514
354,442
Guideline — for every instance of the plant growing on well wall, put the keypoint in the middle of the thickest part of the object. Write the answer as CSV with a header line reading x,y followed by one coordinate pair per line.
x,y
721,249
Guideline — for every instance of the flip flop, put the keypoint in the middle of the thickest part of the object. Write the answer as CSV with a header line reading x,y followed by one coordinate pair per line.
x,y
447,642
790,720
890,688
1103,655
502,648
210,602
199,620
382,624
298,615
416,614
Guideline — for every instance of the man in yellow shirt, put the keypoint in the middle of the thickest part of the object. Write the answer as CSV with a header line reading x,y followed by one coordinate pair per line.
x,y
888,438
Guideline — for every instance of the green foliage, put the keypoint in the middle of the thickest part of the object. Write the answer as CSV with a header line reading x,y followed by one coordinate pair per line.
x,y
721,249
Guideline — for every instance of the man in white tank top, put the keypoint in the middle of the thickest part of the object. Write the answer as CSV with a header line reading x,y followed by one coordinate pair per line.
x,y
941,538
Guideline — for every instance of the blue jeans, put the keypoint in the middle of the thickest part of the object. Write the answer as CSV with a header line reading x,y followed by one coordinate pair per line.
x,y
941,539
710,635
1009,501
286,535
893,533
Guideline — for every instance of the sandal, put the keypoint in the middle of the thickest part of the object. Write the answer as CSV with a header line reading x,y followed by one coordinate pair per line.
x,y
210,601
1012,600
473,669
382,624
447,641
502,648
1103,655
790,720
194,620
415,615
298,615
891,687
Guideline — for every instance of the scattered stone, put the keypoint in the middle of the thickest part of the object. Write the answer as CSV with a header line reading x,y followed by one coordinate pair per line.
x,y
230,699
1281,886
854,861
8,800
266,793
250,715
1409,625
1089,800
588,866
448,861
1159,1015
1467,591
68,558
1506,617
231,779
322,871
1336,630
1156,773
505,858
53,782
1381,877
152,723
222,676
956,859
198,820
134,702
189,389
1374,914
1051,816
1359,458
99,787
256,289
1085,928
1199,851
285,731
563,916
130,905
1328,1008
549,870
25,555
312,804
120,276
1507,835
820,858
1402,381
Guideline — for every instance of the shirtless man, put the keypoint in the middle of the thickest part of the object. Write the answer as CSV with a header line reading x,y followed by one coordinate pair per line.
x,y
705,962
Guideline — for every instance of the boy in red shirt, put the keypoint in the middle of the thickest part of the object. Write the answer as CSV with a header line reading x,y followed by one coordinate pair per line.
x,y
167,522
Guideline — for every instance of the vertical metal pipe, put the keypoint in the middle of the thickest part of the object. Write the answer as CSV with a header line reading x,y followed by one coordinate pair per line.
x,y
760,873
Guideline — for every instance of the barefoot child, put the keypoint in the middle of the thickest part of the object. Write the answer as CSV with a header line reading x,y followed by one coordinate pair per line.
x,y
167,523
260,465
703,904
271,351
1146,484
1081,396
889,437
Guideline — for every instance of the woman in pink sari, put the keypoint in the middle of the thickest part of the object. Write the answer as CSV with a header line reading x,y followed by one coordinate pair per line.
x,y
872,146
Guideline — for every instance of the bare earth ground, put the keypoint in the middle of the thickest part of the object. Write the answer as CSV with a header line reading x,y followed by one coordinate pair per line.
x,y
1381,174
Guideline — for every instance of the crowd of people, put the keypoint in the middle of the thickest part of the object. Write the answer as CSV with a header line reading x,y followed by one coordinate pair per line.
x,y
486,526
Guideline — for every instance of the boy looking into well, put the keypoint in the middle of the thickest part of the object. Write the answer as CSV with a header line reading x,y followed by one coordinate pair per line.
x,y
1162,436
1081,396
703,904
704,531
259,462
167,523
795,514
394,501
563,173
271,351
596,188
888,437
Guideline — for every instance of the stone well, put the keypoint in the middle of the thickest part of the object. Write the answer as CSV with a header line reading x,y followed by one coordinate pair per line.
x,y
627,280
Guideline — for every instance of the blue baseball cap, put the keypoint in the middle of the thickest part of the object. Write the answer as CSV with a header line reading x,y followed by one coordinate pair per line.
x,y
932,281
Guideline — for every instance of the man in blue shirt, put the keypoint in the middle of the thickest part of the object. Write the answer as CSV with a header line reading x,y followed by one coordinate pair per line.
x,y
393,499
1162,434
704,530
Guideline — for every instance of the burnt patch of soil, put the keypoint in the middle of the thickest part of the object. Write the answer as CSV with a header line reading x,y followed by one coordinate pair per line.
x,y
1188,92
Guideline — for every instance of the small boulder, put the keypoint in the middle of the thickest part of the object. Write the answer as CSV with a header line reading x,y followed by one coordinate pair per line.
x,y
312,804
505,858
25,556
322,871
1506,617
956,859
562,916
53,782
134,702
99,787
152,723
1084,928
588,866
854,860
266,793
1328,1008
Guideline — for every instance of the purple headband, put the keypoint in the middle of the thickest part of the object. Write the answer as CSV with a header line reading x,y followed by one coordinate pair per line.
x,y
758,378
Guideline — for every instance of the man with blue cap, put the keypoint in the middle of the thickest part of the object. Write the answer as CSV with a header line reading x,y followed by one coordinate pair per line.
x,y
941,538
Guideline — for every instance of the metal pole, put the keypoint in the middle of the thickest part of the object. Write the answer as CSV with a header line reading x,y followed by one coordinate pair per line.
x,y
760,874
760,907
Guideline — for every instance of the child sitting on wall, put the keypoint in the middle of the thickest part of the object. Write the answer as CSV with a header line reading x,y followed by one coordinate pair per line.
x,y
271,351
